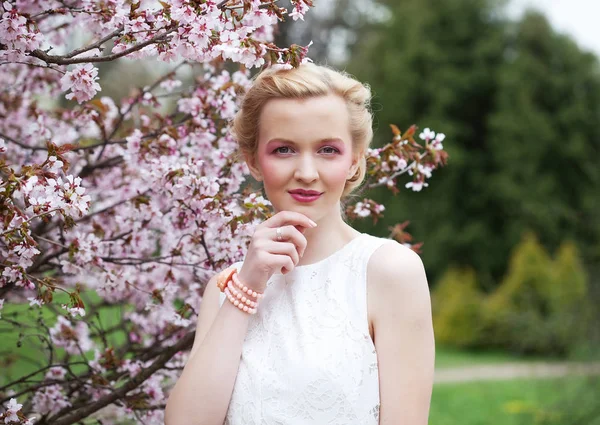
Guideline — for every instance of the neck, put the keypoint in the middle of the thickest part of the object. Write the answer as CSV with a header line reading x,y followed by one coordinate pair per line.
x,y
331,234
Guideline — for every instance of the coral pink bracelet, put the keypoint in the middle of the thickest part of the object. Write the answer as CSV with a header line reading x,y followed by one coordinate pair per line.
x,y
224,282
238,303
241,297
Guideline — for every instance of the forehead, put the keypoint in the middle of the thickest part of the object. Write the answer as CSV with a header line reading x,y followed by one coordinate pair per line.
x,y
312,118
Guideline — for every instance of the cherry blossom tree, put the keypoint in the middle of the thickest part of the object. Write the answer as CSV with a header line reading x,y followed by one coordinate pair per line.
x,y
128,205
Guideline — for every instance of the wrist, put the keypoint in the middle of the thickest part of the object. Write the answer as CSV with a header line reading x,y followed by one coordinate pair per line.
x,y
237,292
250,282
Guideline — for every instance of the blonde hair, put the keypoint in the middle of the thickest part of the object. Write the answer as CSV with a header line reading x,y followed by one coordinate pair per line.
x,y
308,80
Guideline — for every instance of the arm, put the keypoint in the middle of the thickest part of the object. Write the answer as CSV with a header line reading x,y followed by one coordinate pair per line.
x,y
403,333
202,393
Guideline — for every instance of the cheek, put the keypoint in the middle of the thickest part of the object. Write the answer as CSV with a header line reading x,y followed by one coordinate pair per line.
x,y
271,170
337,172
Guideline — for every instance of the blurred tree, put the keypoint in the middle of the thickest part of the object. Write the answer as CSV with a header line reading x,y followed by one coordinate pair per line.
x,y
544,138
334,28
457,309
445,56
519,104
542,306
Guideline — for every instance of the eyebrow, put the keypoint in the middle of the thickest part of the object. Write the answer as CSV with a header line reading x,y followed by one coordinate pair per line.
x,y
326,140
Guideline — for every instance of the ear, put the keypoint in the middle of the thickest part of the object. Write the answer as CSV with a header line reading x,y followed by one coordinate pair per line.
x,y
254,170
354,167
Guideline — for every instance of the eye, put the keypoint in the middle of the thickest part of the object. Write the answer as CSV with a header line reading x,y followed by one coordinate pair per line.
x,y
333,150
278,150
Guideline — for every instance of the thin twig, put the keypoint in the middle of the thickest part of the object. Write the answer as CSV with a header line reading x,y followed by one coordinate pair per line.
x,y
65,60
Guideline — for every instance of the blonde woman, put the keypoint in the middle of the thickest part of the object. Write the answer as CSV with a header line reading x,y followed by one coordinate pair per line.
x,y
320,324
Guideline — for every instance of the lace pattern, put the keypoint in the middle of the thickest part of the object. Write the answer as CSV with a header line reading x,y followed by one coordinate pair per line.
x,y
308,357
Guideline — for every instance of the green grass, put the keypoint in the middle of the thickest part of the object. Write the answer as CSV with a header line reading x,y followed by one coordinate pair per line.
x,y
22,351
557,401
453,357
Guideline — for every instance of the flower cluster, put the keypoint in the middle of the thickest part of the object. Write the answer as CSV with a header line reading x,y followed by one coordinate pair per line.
x,y
131,204
365,208
82,82
405,156
13,414
16,32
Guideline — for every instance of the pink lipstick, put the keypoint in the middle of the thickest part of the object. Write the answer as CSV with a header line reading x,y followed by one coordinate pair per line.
x,y
302,195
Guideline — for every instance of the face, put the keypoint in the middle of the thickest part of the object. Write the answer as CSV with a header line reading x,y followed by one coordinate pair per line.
x,y
304,144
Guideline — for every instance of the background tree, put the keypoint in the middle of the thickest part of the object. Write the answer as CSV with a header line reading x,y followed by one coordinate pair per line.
x,y
519,100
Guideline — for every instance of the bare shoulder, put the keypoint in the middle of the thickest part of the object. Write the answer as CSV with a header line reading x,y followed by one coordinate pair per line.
x,y
396,265
403,333
397,281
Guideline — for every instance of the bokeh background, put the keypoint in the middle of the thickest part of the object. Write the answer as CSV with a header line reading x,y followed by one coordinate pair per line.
x,y
511,227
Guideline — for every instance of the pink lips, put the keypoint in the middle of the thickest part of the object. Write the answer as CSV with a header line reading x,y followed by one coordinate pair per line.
x,y
305,195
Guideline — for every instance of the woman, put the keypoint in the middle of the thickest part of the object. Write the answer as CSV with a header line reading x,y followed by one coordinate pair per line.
x,y
342,332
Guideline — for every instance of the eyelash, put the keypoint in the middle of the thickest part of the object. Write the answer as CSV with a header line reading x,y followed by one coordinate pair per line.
x,y
324,147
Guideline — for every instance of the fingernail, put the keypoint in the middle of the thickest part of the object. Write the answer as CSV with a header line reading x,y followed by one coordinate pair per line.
x,y
313,223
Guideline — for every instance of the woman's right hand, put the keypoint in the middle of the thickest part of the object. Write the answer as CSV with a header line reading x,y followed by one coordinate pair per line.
x,y
266,255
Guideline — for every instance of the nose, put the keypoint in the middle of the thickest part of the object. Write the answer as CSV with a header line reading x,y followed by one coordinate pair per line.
x,y
306,169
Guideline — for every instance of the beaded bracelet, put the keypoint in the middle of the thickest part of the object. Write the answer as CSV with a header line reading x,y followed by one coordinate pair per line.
x,y
238,303
244,288
223,282
241,297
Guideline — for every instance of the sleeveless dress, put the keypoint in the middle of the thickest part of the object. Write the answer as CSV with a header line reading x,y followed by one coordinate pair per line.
x,y
308,357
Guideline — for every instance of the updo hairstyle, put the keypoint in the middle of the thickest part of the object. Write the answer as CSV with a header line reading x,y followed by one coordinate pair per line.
x,y
308,80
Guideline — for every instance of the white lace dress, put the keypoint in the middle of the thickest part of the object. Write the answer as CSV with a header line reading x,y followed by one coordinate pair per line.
x,y
308,357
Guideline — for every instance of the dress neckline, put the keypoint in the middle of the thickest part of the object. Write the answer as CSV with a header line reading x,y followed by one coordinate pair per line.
x,y
329,257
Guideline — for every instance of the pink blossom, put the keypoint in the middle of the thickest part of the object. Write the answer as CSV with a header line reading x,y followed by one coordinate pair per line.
x,y
427,134
74,311
361,210
416,186
33,301
437,142
169,85
373,153
137,25
70,337
11,411
50,400
82,82
184,14
54,165
15,33
26,253
13,274
300,9
56,372
134,141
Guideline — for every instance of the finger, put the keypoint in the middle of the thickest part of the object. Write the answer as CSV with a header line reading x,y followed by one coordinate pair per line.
x,y
284,248
283,263
289,217
291,234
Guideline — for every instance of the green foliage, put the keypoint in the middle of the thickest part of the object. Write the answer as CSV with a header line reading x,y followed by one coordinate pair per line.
x,y
541,306
456,308
519,103
569,298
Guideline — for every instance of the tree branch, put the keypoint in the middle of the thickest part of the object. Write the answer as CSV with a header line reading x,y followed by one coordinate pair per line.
x,y
183,344
66,60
